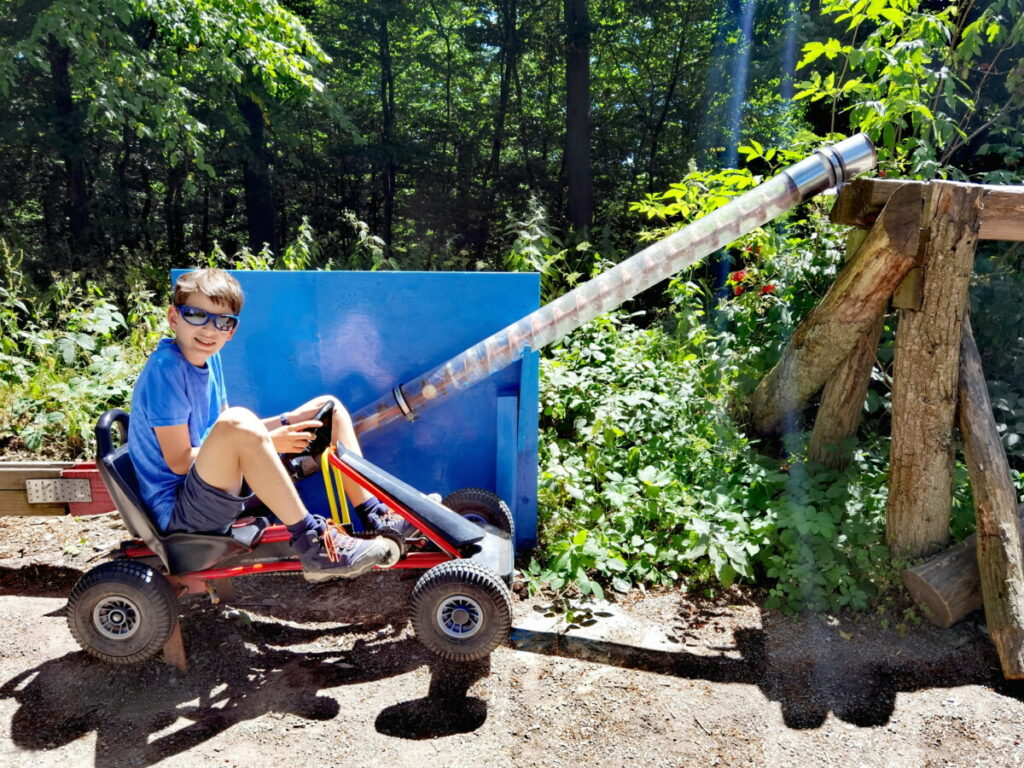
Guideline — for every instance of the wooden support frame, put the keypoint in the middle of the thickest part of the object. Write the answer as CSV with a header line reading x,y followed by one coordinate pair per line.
x,y
1002,216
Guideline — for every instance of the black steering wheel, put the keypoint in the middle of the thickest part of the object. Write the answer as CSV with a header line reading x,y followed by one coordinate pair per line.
x,y
322,434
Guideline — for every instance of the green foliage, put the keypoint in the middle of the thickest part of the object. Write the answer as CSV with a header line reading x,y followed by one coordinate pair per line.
x,y
636,436
647,473
826,546
145,65
69,353
927,85
648,477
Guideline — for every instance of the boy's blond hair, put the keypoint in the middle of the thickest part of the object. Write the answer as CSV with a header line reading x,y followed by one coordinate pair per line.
x,y
214,284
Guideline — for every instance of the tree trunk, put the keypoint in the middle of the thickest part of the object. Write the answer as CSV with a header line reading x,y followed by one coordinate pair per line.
x,y
925,374
508,13
847,313
842,400
1000,560
653,179
259,188
577,116
387,134
70,147
173,221
204,225
947,587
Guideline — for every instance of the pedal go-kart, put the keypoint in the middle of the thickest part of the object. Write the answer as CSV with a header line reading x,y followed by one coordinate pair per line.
x,y
125,611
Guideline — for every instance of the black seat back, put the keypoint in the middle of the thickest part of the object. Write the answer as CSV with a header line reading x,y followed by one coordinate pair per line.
x,y
118,473
179,552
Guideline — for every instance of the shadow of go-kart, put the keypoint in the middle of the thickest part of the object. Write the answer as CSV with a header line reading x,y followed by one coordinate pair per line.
x,y
125,610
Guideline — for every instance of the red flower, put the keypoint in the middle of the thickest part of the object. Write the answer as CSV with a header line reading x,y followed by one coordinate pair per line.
x,y
738,290
738,276
769,288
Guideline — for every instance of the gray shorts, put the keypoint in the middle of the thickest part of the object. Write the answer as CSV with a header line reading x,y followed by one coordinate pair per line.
x,y
199,507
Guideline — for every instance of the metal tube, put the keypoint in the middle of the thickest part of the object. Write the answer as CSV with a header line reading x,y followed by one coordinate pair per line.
x,y
827,167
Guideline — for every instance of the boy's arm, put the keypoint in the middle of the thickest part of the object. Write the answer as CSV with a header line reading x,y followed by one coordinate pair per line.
x,y
176,447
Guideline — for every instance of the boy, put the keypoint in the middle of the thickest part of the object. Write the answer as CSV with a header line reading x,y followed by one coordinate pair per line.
x,y
191,451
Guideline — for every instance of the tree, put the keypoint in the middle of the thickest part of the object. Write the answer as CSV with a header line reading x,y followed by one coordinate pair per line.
x,y
119,67
577,115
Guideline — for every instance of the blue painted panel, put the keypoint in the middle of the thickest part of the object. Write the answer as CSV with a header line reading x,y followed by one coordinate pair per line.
x,y
358,334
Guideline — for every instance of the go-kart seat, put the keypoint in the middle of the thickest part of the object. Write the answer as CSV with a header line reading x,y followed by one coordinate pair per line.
x,y
179,552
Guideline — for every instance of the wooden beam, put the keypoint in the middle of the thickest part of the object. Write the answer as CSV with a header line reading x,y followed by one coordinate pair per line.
x,y
926,369
1000,560
849,311
861,202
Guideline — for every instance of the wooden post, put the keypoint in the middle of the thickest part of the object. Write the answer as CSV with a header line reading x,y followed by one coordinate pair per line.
x,y
842,400
848,312
925,374
1000,560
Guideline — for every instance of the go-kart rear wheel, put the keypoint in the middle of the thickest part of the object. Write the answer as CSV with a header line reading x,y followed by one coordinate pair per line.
x,y
481,506
122,612
461,611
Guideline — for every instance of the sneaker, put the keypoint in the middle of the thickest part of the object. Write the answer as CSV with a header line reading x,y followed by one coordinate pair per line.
x,y
394,521
334,554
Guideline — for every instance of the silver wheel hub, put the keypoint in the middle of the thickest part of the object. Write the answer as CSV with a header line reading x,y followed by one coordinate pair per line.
x,y
460,616
116,617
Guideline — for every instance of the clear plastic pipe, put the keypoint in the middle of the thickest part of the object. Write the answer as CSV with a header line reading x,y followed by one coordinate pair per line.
x,y
827,167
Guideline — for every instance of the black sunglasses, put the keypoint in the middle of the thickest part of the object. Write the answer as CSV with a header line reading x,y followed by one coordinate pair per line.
x,y
197,316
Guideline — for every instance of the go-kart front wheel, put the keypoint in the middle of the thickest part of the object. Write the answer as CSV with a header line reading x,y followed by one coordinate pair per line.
x,y
122,612
461,611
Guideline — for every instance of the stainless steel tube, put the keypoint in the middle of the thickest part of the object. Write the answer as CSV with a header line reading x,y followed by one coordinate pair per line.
x,y
827,167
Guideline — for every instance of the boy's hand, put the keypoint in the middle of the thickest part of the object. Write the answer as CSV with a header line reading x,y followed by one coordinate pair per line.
x,y
293,438
309,408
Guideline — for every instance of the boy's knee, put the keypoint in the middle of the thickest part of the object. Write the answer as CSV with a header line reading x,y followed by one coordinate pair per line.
x,y
242,424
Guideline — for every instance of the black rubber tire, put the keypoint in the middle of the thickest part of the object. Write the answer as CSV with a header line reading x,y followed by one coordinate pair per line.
x,y
483,599
484,505
126,598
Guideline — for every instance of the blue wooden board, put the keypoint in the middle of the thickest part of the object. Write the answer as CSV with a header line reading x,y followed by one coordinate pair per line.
x,y
358,334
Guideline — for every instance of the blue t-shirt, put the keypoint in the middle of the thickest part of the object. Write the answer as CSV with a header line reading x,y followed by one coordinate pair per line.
x,y
170,391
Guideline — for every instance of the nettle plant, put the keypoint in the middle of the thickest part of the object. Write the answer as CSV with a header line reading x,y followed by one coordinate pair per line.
x,y
638,462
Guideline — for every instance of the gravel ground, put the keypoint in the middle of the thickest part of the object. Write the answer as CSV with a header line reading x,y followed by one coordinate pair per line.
x,y
331,675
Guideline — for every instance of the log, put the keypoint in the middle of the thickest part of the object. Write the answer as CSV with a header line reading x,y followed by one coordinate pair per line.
x,y
842,400
1002,218
1000,559
849,310
925,373
947,587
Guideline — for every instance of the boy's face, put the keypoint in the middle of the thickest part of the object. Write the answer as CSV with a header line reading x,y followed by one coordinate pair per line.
x,y
198,342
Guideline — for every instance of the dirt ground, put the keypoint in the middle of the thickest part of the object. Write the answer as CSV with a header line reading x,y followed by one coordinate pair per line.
x,y
330,675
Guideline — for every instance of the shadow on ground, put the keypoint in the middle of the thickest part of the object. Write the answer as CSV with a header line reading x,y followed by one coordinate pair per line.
x,y
274,663
809,668
241,668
